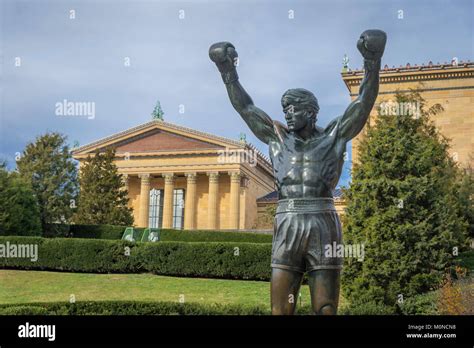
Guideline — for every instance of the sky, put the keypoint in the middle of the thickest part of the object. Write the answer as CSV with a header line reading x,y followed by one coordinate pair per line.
x,y
123,56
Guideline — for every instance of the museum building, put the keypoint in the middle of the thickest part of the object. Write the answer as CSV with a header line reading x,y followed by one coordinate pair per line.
x,y
179,177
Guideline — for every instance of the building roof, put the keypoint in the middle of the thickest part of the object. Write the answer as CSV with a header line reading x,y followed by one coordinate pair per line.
x,y
148,127
462,69
423,67
272,197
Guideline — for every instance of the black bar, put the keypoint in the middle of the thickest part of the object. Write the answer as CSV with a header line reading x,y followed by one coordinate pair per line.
x,y
225,330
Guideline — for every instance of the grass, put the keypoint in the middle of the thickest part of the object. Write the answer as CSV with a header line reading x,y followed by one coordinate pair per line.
x,y
17,287
38,286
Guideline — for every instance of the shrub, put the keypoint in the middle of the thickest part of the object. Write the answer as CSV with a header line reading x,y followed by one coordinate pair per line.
x,y
83,231
467,260
214,236
455,294
56,230
116,232
137,308
129,308
23,310
369,308
214,259
97,231
423,304
210,259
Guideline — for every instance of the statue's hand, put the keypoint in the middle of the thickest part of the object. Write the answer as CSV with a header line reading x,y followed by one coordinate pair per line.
x,y
224,55
372,44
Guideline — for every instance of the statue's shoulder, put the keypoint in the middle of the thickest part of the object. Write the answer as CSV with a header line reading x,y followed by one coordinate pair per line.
x,y
280,130
333,126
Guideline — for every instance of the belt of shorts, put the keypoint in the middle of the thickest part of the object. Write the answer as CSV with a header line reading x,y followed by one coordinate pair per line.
x,y
305,205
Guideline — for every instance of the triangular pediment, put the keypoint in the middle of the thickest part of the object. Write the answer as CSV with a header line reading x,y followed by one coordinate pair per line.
x,y
158,136
160,140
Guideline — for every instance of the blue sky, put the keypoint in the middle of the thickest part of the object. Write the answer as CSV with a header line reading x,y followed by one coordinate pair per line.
x,y
82,59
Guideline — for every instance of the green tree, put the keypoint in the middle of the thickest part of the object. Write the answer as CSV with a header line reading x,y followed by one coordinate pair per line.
x,y
19,211
403,206
102,198
51,172
466,195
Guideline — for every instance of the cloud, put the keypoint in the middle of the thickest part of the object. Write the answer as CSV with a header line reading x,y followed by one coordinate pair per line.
x,y
82,59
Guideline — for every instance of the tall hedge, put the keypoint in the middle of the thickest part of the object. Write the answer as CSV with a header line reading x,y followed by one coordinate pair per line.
x,y
230,260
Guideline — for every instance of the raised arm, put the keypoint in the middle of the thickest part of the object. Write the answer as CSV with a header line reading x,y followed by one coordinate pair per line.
x,y
371,44
225,57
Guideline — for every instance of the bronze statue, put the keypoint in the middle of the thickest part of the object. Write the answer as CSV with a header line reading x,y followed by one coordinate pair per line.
x,y
307,162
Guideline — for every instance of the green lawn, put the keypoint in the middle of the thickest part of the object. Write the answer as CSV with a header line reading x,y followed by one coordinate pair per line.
x,y
38,286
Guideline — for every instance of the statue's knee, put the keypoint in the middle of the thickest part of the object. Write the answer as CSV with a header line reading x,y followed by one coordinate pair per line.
x,y
328,309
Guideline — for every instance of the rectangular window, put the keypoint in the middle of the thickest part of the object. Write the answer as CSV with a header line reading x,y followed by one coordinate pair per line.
x,y
156,208
178,209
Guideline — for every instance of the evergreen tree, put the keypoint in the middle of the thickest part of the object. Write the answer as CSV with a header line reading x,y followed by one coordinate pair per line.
x,y
403,206
466,195
50,170
19,210
102,199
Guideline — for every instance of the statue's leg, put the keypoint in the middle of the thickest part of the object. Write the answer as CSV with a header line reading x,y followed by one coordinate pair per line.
x,y
285,286
324,287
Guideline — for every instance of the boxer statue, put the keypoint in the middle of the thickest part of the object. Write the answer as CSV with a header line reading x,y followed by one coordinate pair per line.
x,y
307,163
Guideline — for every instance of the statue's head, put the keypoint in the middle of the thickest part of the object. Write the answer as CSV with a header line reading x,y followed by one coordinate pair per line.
x,y
300,107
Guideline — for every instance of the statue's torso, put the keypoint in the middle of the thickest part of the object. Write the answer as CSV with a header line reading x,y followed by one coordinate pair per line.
x,y
307,168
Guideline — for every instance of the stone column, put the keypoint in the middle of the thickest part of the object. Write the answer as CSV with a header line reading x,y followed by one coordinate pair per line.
x,y
234,200
190,201
168,201
143,210
213,198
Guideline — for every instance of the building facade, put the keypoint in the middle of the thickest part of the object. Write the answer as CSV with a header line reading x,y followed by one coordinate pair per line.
x,y
181,178
450,85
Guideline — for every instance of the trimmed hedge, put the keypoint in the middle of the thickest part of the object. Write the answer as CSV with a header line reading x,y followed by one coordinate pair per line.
x,y
208,260
116,232
128,308
214,236
84,231
174,308
97,231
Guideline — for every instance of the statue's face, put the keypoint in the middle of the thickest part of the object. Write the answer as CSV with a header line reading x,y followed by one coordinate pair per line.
x,y
296,117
